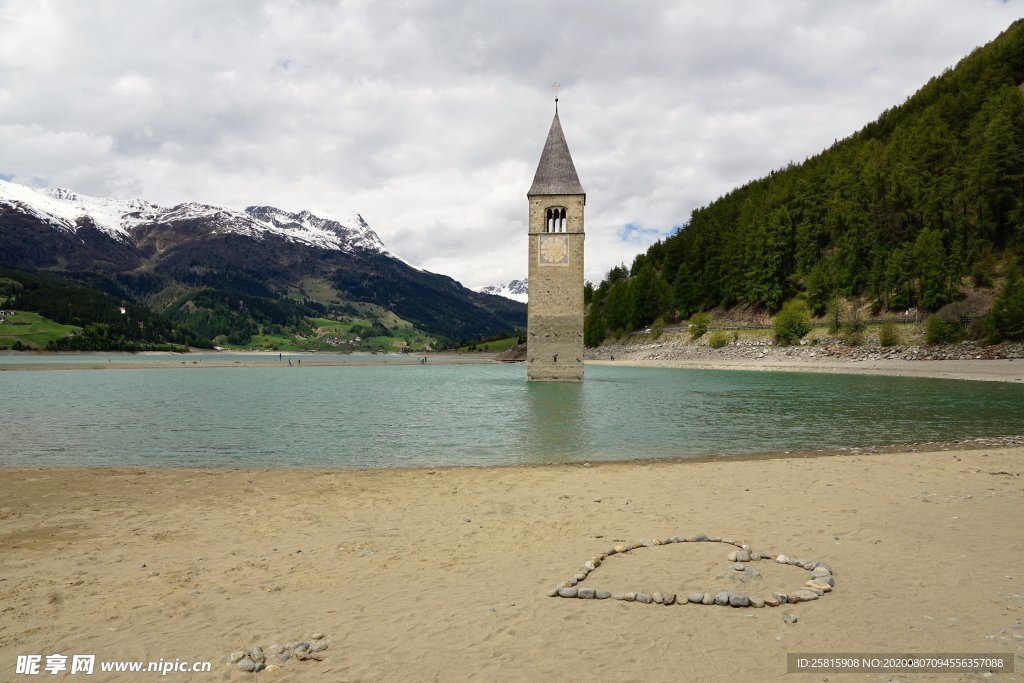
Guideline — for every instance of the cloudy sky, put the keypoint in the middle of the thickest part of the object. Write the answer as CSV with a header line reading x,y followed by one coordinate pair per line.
x,y
428,117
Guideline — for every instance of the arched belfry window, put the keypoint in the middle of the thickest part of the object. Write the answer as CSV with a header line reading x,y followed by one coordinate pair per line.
x,y
555,220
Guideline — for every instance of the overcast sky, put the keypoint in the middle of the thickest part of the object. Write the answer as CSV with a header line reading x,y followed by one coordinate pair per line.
x,y
428,117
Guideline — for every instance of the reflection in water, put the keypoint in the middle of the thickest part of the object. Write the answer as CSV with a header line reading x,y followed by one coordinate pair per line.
x,y
558,423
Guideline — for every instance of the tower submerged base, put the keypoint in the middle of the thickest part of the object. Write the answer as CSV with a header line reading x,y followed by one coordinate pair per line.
x,y
546,374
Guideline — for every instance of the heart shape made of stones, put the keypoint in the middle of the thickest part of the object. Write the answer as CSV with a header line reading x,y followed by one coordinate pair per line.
x,y
821,580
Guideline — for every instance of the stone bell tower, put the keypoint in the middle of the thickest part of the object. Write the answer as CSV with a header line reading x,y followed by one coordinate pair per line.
x,y
555,308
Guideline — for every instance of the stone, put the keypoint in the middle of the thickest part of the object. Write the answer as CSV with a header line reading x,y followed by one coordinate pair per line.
x,y
819,585
708,599
739,600
803,595
602,595
782,559
731,557
692,539
656,541
826,579
301,645
765,556
256,654
694,597
644,598
739,566
757,601
729,541
781,597
553,593
669,599
318,646
567,592
579,576
646,542
659,598
618,596
743,556
771,601
317,636
789,618
702,537
630,597
276,649
273,667
246,665
620,548
722,598
235,657
820,571
589,566
585,593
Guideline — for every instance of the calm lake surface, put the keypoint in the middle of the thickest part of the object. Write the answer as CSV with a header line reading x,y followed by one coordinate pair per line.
x,y
387,415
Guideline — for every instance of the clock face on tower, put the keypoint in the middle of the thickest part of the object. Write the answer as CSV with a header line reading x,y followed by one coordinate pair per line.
x,y
554,249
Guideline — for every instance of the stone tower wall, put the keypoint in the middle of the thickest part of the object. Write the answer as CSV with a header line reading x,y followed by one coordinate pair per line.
x,y
555,308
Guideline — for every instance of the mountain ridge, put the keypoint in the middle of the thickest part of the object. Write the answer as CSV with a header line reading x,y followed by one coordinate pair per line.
x,y
65,209
517,290
160,254
898,214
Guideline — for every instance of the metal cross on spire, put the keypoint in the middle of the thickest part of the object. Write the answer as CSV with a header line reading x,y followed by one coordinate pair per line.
x,y
556,85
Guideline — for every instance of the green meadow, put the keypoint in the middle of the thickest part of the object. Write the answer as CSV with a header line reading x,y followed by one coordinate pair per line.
x,y
32,330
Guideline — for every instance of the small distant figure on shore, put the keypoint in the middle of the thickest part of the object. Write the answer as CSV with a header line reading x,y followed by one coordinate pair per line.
x,y
300,361
289,362
423,361
279,356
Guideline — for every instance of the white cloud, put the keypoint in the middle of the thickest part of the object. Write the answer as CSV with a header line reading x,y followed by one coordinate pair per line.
x,y
428,117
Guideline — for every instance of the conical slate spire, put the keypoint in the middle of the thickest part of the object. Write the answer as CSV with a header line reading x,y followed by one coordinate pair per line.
x,y
556,174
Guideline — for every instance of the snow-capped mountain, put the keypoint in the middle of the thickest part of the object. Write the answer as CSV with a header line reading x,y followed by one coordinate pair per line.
x,y
516,290
163,254
64,209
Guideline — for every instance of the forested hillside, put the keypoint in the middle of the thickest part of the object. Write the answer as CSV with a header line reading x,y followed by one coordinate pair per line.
x,y
900,213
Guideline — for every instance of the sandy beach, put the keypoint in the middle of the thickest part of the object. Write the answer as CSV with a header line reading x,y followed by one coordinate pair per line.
x,y
443,574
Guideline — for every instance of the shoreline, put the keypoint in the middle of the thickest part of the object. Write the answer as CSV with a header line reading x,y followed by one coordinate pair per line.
x,y
988,370
157,360
444,573
959,445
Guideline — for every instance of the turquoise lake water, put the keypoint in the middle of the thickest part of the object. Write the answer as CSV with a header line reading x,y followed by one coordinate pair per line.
x,y
386,415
